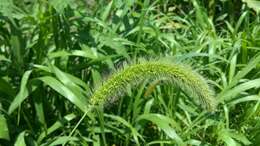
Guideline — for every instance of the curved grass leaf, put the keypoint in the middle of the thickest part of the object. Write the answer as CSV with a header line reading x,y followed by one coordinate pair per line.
x,y
163,122
230,94
162,142
20,139
64,91
3,58
254,4
63,139
107,10
242,73
69,83
80,53
23,93
4,132
245,99
231,138
134,132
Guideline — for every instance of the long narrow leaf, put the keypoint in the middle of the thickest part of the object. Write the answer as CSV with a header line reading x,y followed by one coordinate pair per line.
x,y
23,93
64,91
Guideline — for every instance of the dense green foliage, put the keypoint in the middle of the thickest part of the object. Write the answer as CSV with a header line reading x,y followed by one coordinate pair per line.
x,y
55,55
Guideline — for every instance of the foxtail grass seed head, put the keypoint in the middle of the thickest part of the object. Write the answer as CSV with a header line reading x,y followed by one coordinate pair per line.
x,y
180,75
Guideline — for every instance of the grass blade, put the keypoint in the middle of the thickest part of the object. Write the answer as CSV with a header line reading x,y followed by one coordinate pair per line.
x,y
64,91
4,132
23,93
230,94
20,141
164,123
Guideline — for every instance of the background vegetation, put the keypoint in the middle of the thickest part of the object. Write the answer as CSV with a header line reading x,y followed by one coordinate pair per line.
x,y
54,53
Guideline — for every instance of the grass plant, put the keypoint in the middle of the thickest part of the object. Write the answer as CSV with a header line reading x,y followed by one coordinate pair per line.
x,y
55,57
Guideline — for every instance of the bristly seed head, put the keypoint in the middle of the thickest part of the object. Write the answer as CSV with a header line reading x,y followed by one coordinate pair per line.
x,y
181,75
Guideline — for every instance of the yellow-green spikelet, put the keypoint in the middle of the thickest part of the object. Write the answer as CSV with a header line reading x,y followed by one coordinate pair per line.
x,y
180,75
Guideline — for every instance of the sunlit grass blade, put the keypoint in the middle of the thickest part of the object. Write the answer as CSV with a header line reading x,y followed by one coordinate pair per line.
x,y
64,91
63,139
23,93
165,123
4,131
230,94
134,132
20,141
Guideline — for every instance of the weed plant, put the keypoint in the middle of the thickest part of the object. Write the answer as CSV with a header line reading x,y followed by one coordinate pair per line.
x,y
58,56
